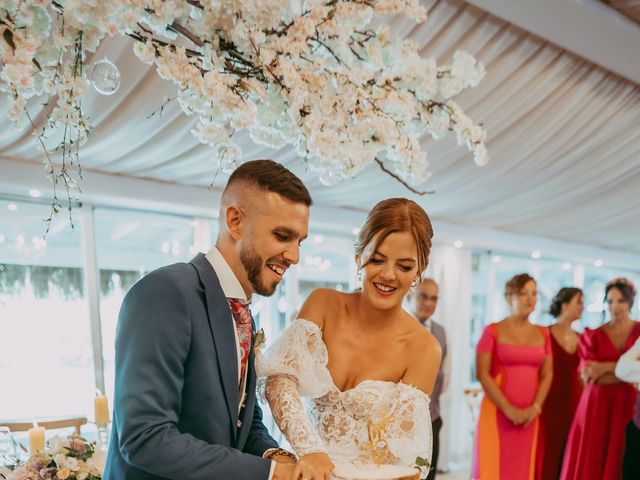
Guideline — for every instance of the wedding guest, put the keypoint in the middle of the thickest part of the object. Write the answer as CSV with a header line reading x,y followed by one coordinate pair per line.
x,y
564,394
514,366
596,439
426,301
628,369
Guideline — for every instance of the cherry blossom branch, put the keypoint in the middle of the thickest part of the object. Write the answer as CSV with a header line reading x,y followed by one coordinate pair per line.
x,y
404,184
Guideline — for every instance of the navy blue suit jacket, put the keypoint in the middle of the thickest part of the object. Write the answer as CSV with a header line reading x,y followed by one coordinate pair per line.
x,y
176,385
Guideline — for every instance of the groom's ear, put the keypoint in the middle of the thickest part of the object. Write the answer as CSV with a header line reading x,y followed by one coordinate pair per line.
x,y
235,221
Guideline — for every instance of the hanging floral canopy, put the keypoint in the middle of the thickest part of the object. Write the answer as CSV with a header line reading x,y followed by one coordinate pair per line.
x,y
313,74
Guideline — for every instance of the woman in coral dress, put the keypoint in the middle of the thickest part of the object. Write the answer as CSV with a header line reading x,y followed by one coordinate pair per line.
x,y
514,366
561,403
596,440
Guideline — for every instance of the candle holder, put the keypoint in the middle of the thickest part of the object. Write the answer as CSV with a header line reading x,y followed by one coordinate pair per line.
x,y
103,436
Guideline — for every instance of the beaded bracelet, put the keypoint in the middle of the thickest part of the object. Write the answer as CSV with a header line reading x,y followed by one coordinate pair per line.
x,y
272,452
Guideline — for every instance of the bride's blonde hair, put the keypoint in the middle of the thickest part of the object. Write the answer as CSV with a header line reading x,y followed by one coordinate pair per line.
x,y
395,215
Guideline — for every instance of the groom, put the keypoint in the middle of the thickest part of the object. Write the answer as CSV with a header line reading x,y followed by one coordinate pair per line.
x,y
185,404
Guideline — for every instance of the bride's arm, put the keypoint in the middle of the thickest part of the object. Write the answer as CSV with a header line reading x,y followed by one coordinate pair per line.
x,y
304,358
281,391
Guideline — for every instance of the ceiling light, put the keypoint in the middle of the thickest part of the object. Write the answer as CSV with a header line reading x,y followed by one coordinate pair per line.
x,y
318,239
166,246
13,207
598,263
458,244
496,259
536,254
566,266
175,247
35,193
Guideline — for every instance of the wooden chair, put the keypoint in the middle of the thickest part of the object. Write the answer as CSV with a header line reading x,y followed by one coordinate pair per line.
x,y
50,423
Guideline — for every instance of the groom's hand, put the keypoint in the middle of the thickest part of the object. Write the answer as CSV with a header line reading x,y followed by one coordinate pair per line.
x,y
314,466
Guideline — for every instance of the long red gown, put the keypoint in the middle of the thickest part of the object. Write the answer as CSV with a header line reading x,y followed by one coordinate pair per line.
x,y
557,412
596,439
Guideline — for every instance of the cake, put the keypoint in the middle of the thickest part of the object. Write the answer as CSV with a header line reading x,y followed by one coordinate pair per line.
x,y
373,472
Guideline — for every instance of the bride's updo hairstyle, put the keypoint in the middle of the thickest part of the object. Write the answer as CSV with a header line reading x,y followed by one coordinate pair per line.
x,y
395,215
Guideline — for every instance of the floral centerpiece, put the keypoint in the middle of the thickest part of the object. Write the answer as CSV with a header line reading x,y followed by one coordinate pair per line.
x,y
326,77
72,458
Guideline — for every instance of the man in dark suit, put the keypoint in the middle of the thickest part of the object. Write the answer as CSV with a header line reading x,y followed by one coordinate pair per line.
x,y
185,403
426,301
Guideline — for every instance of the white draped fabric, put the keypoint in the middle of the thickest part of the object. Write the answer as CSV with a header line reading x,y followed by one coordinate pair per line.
x,y
630,8
451,269
563,137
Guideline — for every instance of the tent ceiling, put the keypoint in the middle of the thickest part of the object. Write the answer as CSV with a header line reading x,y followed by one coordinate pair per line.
x,y
629,8
564,136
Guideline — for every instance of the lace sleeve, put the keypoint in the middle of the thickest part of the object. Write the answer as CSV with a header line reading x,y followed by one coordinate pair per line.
x,y
290,415
295,366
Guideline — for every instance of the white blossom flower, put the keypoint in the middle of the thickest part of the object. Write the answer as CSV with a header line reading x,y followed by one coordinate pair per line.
x,y
324,77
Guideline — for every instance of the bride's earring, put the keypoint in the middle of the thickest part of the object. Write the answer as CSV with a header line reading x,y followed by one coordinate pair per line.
x,y
413,286
359,275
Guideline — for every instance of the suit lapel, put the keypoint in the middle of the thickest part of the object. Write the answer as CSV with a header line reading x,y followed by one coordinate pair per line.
x,y
222,333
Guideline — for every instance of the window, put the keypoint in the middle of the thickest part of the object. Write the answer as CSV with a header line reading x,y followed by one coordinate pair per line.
x,y
128,245
45,340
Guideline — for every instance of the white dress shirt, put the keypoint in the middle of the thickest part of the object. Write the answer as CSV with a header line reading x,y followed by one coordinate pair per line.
x,y
232,288
628,366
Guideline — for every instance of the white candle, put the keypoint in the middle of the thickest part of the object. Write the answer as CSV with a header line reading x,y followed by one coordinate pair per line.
x,y
36,438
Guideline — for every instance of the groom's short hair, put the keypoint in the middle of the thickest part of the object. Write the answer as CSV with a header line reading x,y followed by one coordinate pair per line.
x,y
273,177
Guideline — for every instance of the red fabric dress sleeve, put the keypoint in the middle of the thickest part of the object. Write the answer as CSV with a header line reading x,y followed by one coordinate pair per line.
x,y
546,333
487,340
586,347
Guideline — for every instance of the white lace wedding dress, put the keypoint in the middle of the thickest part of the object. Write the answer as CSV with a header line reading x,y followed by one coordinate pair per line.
x,y
295,367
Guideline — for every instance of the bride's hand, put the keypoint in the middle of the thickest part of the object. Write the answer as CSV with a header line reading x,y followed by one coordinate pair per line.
x,y
313,466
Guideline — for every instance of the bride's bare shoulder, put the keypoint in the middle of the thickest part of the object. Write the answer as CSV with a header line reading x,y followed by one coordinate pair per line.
x,y
322,303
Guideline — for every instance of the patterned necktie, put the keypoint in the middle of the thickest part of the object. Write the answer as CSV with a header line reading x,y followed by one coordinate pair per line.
x,y
244,325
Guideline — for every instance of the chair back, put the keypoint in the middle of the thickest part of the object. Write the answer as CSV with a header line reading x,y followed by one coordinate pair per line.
x,y
50,423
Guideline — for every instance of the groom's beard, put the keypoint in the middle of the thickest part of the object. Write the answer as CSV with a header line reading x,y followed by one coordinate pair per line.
x,y
253,265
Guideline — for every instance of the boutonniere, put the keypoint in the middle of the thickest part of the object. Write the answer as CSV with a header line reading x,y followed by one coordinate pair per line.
x,y
258,339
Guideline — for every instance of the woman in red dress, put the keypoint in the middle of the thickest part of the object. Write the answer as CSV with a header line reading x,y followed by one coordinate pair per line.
x,y
596,440
563,397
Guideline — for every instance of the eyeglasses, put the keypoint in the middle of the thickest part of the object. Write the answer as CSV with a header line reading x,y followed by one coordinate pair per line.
x,y
424,297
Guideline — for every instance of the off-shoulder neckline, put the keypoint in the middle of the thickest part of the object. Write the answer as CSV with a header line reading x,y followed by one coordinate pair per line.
x,y
366,380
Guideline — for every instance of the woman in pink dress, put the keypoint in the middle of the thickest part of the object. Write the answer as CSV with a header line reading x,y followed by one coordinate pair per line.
x,y
561,403
596,440
514,367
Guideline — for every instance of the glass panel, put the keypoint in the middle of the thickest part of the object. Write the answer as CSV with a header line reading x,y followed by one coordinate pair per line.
x,y
324,263
46,359
128,245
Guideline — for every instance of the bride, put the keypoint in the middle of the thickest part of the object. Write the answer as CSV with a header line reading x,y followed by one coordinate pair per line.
x,y
367,366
